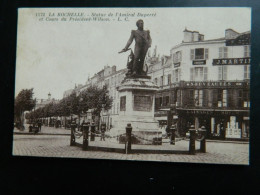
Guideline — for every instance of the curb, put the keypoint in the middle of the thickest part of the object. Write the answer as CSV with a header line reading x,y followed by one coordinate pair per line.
x,y
20,133
224,141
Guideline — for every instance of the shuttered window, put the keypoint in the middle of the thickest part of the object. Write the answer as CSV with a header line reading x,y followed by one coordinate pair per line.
x,y
222,72
198,54
192,54
246,72
199,74
246,51
223,52
198,97
206,53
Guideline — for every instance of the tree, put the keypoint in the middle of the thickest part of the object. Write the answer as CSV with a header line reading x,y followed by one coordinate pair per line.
x,y
96,98
23,102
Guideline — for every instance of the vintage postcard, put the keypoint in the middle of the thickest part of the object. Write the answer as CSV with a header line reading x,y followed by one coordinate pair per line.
x,y
146,84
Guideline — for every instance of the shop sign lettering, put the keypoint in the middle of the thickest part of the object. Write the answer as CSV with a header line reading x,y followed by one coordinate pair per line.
x,y
232,61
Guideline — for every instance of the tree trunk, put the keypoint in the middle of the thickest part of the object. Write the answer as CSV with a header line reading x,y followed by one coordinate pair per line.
x,y
21,120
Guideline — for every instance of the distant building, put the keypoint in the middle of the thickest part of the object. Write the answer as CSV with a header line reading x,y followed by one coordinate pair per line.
x,y
67,93
43,102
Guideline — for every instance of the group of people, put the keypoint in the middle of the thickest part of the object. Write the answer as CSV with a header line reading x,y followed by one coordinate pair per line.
x,y
36,126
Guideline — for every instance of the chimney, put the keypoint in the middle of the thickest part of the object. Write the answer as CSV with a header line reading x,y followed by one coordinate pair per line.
x,y
188,35
49,96
195,36
230,34
201,37
114,69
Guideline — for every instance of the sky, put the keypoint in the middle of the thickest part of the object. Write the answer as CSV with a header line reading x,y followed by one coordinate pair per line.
x,y
53,56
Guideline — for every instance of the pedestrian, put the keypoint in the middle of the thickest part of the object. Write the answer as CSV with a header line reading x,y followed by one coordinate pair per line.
x,y
39,125
103,129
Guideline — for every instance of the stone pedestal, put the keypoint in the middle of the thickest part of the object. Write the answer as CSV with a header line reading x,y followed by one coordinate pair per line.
x,y
137,99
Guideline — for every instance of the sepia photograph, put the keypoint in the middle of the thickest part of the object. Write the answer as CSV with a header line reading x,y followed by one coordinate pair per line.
x,y
135,84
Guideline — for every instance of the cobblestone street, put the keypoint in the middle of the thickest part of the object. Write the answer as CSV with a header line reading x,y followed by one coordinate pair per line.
x,y
59,146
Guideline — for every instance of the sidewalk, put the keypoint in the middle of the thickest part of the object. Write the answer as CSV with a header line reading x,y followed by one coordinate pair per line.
x,y
44,131
112,145
61,131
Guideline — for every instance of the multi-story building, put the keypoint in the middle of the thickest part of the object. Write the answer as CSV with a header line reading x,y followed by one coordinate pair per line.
x,y
207,83
113,80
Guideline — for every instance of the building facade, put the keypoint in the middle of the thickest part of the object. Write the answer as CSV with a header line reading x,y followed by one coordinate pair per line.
x,y
206,84
43,102
201,83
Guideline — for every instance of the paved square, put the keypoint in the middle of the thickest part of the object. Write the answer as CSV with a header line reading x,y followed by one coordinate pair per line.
x,y
59,146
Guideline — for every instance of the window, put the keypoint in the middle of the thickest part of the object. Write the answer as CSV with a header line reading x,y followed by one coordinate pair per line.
x,y
222,98
199,74
243,98
247,51
167,101
223,52
157,103
240,98
169,79
199,54
161,81
177,57
219,98
178,103
156,81
190,98
246,98
160,101
198,97
246,72
222,73
123,103
176,75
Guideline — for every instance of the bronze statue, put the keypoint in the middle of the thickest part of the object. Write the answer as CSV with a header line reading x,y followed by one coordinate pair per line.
x,y
142,43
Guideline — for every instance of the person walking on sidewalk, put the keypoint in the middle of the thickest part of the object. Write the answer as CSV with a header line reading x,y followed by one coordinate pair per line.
x,y
39,125
103,129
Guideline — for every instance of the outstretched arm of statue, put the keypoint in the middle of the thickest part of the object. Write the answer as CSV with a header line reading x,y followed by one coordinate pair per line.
x,y
129,42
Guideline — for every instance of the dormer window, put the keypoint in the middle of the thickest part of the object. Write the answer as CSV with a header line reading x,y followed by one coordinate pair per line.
x,y
199,54
177,57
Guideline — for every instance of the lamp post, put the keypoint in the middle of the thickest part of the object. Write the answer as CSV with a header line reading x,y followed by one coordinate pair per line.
x,y
79,109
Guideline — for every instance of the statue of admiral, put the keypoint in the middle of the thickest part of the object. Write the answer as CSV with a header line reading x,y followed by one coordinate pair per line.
x,y
142,43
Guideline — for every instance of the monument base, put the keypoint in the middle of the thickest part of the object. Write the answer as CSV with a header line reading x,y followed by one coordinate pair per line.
x,y
137,100
142,137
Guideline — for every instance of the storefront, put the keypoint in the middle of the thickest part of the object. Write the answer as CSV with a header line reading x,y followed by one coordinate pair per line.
x,y
220,124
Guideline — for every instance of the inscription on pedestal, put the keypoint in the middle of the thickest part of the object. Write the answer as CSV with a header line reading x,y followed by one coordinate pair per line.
x,y
142,103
